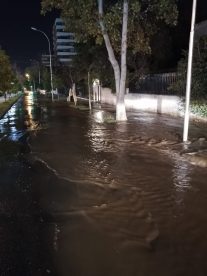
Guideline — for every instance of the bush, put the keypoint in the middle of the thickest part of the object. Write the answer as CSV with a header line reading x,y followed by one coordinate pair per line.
x,y
199,108
199,72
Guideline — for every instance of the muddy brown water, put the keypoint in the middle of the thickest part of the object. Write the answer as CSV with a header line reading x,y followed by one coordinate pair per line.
x,y
90,198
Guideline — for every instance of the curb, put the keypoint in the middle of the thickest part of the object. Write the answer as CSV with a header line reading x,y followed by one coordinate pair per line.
x,y
9,106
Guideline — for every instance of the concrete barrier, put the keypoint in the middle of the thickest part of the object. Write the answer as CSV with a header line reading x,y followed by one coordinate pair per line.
x,y
107,96
145,102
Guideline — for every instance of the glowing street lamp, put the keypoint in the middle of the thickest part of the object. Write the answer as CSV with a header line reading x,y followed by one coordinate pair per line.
x,y
51,77
27,76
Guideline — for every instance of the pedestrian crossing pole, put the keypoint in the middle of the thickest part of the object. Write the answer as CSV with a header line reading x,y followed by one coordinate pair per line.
x,y
189,74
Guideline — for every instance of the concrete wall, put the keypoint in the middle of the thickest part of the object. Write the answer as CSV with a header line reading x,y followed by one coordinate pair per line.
x,y
145,102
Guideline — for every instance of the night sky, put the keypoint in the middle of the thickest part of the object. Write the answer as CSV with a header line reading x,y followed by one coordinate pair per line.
x,y
22,44
16,37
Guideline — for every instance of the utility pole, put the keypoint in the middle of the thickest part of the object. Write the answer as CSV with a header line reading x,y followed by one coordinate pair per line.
x,y
189,74
50,56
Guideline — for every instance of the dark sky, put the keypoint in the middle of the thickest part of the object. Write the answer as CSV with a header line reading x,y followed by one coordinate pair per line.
x,y
22,44
16,37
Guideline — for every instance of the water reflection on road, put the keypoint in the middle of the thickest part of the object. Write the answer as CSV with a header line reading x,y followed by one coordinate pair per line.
x,y
99,198
8,125
19,119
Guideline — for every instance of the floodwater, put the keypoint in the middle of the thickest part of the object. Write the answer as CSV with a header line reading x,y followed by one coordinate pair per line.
x,y
84,198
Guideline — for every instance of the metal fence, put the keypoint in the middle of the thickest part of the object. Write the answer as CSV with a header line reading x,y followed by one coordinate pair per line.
x,y
156,84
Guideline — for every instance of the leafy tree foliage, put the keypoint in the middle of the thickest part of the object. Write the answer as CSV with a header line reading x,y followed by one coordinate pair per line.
x,y
6,73
199,72
33,72
92,58
145,17
40,77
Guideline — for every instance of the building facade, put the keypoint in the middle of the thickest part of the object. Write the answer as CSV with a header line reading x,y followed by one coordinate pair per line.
x,y
63,43
45,60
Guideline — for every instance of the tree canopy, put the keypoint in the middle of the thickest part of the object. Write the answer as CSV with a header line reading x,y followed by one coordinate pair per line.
x,y
145,17
199,72
6,73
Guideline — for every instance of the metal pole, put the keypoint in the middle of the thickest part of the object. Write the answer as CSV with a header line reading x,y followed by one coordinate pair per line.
x,y
39,75
89,91
50,56
189,74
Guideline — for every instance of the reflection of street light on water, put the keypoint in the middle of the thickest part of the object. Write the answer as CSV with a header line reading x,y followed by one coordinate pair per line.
x,y
29,108
51,78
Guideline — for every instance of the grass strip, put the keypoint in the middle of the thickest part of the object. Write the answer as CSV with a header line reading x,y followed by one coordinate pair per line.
x,y
5,106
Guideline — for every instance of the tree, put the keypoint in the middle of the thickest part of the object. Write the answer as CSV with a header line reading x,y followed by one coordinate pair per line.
x,y
33,73
121,24
199,72
6,73
91,58
39,77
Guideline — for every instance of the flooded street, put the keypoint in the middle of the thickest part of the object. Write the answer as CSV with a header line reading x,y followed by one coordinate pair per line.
x,y
84,198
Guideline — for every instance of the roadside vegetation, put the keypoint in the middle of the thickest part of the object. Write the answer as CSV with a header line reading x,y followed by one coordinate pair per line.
x,y
10,83
199,108
199,80
9,80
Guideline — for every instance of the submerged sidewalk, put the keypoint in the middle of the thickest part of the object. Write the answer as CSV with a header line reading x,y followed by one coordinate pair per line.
x,y
165,132
167,135
5,105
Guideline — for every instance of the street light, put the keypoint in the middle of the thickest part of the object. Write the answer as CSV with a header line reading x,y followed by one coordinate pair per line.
x,y
27,76
51,79
189,73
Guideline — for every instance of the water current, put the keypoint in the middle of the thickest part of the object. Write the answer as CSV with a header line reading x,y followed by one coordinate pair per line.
x,y
80,197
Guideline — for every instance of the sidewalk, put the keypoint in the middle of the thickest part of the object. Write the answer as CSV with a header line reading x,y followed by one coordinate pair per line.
x,y
171,130
6,105
2,99
164,133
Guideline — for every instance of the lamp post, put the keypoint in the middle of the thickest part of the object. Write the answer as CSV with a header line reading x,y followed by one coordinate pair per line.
x,y
51,78
27,76
189,74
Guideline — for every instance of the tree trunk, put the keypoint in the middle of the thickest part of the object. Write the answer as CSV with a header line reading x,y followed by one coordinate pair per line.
x,y
120,106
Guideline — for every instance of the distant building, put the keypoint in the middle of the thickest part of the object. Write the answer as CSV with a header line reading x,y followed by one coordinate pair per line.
x,y
45,60
63,43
